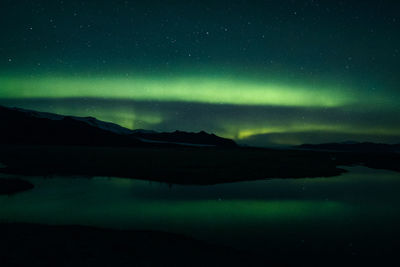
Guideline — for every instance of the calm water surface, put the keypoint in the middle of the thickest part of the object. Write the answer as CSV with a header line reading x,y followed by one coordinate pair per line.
x,y
353,209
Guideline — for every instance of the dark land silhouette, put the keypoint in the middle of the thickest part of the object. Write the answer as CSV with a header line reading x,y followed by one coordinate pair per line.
x,y
43,144
13,186
352,146
43,245
19,126
35,143
179,137
23,244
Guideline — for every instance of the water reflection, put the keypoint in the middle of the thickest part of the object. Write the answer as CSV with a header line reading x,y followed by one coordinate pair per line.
x,y
239,214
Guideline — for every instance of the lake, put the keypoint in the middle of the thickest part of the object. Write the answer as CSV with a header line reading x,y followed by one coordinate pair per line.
x,y
357,212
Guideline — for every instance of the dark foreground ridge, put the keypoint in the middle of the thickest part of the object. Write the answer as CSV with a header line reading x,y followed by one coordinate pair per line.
x,y
35,245
12,186
178,165
44,245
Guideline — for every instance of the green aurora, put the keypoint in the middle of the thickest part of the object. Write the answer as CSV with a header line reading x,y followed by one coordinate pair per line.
x,y
185,89
262,73
213,91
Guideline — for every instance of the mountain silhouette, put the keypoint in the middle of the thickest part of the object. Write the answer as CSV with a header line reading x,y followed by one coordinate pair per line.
x,y
21,126
179,137
353,146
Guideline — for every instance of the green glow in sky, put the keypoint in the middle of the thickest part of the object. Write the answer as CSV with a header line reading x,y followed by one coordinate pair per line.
x,y
184,89
308,127
233,107
269,72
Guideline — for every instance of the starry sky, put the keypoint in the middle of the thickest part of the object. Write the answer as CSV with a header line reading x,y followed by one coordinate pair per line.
x,y
266,73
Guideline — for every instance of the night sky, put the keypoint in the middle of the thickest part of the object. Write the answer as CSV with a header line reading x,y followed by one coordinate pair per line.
x,y
261,72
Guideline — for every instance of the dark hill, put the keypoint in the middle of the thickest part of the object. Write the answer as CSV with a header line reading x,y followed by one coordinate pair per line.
x,y
178,137
353,147
20,126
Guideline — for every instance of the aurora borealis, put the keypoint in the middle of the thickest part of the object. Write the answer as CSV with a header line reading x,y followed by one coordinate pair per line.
x,y
261,72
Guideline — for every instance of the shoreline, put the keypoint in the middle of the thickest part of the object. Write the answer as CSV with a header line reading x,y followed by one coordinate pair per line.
x,y
10,186
195,166
184,165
